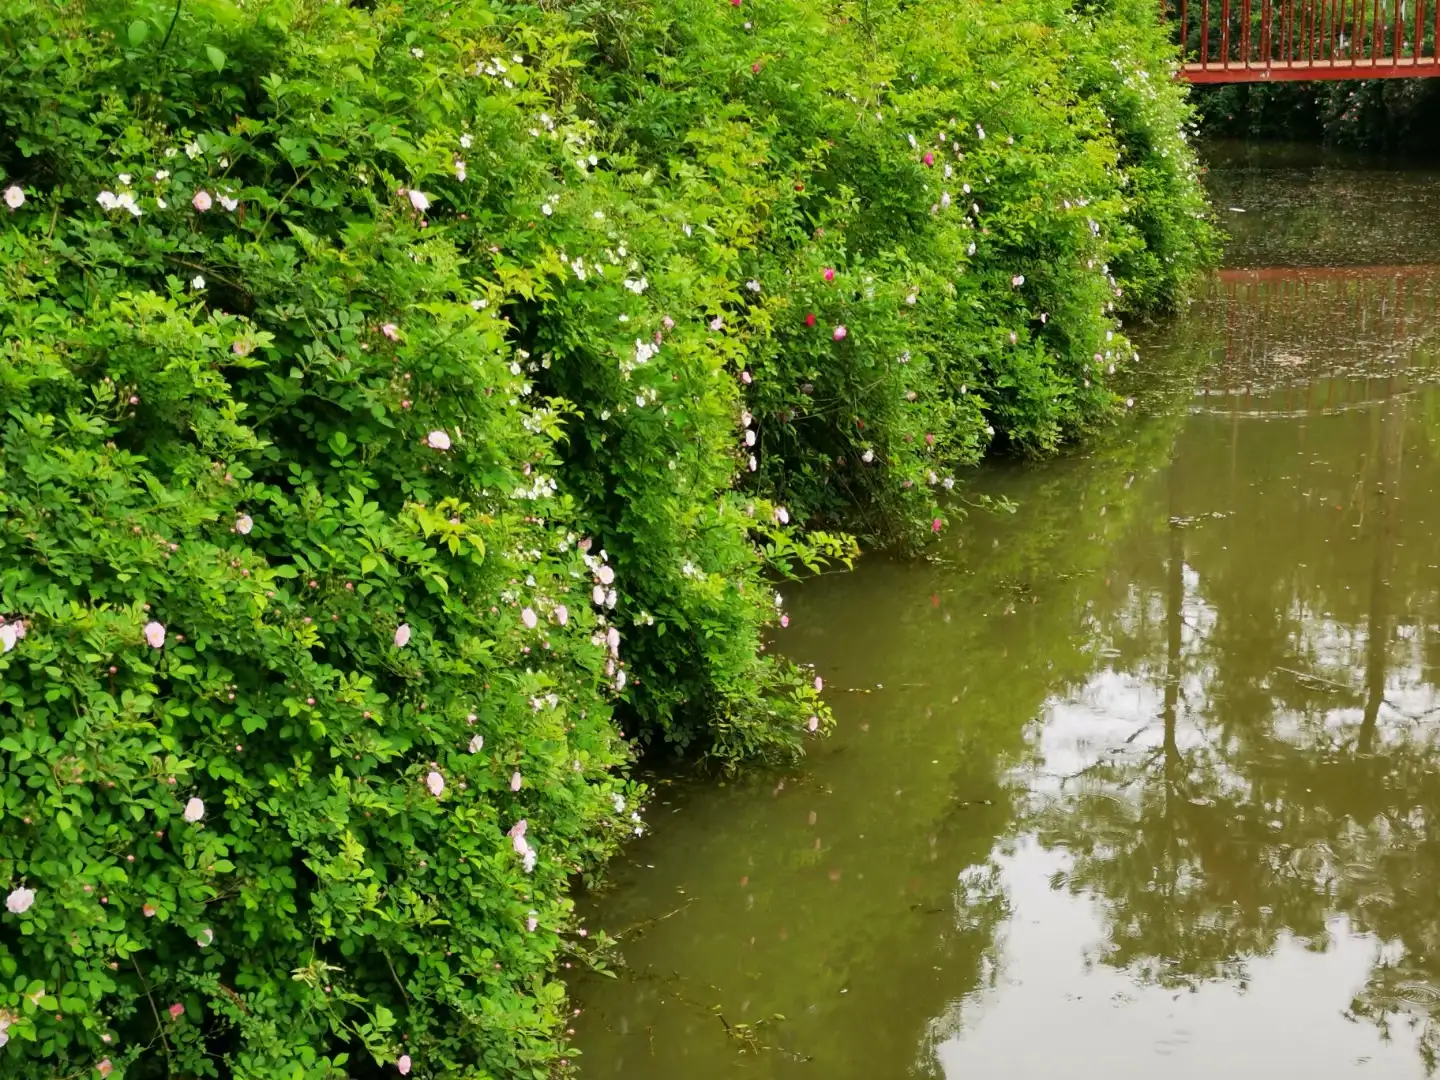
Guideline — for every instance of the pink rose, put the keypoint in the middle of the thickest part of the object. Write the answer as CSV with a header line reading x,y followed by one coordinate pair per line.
x,y
19,901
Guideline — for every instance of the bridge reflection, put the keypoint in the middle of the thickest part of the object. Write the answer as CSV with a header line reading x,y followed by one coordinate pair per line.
x,y
1306,340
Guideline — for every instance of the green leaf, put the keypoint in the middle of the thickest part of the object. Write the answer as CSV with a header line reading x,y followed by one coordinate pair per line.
x,y
138,31
216,57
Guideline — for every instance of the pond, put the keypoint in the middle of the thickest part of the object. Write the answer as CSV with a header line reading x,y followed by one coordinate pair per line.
x,y
1138,779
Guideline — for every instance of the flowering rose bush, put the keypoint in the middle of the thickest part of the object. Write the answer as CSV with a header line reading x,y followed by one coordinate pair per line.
x,y
404,404
289,592
1125,62
942,238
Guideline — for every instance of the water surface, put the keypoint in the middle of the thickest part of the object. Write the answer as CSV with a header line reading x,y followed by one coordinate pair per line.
x,y
1139,780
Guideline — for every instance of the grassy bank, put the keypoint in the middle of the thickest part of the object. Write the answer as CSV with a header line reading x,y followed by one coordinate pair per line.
x,y
410,408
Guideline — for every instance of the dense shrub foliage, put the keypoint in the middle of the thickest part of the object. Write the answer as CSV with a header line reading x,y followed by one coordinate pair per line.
x,y
931,214
400,400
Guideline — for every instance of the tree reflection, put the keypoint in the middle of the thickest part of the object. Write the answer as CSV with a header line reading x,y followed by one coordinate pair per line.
x,y
1289,775
1162,834
1386,508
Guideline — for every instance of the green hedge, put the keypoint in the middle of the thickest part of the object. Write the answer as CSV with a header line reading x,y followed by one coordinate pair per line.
x,y
407,408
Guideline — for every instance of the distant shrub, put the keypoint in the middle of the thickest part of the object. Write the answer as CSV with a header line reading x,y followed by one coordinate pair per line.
x,y
1366,114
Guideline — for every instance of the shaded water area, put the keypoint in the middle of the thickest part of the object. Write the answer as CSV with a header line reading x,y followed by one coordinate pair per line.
x,y
1142,779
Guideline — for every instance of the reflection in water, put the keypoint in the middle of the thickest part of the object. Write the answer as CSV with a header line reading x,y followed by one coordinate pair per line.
x,y
1312,208
1316,332
1143,777
1289,775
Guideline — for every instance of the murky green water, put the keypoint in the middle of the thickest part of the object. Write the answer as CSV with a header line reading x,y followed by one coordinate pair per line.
x,y
1142,780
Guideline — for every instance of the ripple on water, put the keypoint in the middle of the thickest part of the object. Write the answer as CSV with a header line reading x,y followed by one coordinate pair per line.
x,y
1422,994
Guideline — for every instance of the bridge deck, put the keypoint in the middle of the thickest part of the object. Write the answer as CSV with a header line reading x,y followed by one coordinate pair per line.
x,y
1404,67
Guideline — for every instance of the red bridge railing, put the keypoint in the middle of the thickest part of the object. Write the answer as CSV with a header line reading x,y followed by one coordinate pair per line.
x,y
1275,40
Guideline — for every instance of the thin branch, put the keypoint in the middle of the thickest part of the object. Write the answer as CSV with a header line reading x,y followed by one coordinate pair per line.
x,y
385,953
173,19
652,922
214,276
159,1024
299,179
